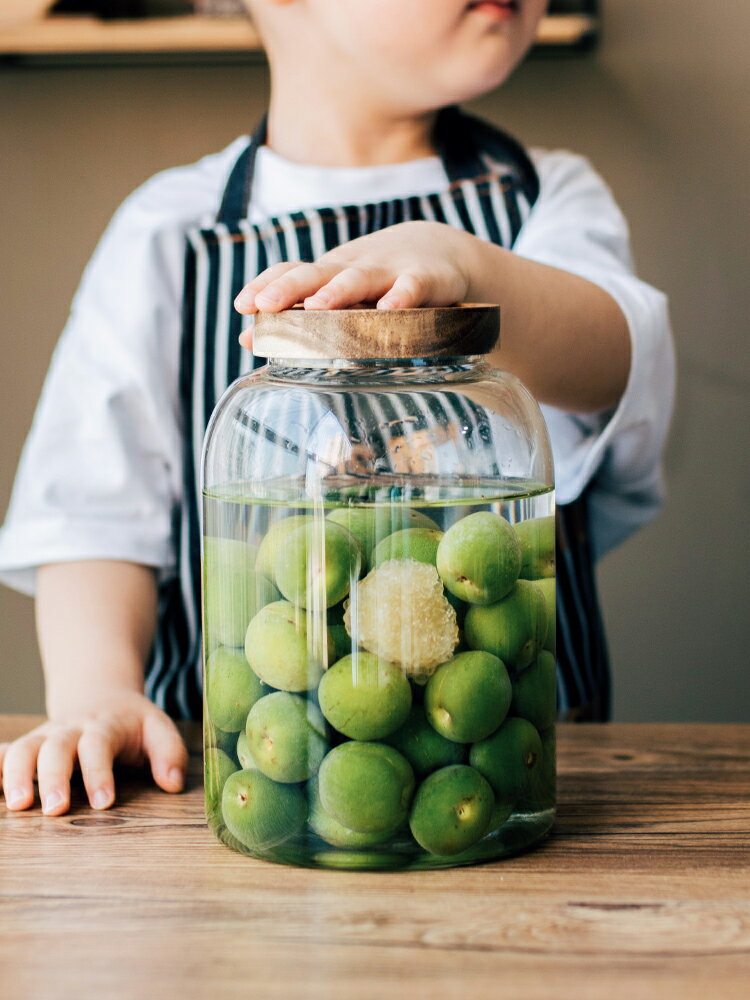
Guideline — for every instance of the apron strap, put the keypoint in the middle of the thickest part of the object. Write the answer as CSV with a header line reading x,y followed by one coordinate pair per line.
x,y
234,203
461,141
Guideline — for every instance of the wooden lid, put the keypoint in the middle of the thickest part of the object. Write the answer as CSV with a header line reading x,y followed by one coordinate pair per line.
x,y
362,332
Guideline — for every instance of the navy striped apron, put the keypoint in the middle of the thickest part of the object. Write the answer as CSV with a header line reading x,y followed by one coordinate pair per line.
x,y
493,186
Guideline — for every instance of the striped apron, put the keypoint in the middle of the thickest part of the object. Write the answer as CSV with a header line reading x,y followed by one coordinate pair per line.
x,y
493,186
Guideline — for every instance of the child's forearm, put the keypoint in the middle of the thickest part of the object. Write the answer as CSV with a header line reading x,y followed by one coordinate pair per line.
x,y
95,621
563,336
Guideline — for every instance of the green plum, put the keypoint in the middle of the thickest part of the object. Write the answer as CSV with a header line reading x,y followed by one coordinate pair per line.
x,y
452,810
275,539
364,697
281,652
508,758
535,692
479,557
361,860
232,688
424,748
259,812
286,736
341,640
371,524
219,738
540,792
411,543
537,538
513,628
367,787
243,753
217,766
548,587
501,813
468,697
233,593
228,555
317,564
333,832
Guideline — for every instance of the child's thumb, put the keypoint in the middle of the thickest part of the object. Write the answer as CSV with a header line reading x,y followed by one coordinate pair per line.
x,y
165,750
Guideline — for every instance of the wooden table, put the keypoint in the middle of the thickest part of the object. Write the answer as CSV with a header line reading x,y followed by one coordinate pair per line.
x,y
643,890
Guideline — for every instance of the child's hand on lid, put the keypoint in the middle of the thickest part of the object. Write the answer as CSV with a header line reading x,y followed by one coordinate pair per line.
x,y
407,265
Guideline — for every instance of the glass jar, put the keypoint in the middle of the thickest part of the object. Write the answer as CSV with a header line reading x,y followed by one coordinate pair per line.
x,y
379,596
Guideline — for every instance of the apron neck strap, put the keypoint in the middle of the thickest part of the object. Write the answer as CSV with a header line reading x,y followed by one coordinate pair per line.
x,y
464,143
234,204
461,141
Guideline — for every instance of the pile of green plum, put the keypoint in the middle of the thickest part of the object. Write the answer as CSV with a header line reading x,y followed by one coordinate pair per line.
x,y
374,683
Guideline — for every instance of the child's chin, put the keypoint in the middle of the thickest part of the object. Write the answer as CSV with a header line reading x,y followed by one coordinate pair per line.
x,y
478,84
490,67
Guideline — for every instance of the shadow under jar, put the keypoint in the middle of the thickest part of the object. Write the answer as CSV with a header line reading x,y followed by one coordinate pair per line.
x,y
379,596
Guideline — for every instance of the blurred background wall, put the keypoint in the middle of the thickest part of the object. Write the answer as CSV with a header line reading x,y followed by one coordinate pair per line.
x,y
661,110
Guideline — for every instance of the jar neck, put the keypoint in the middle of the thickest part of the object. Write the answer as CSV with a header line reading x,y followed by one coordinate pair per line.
x,y
365,369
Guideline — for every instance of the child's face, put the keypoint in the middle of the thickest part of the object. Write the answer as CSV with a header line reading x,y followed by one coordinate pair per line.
x,y
420,54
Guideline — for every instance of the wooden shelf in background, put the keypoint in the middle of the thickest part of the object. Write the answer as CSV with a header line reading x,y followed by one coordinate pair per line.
x,y
86,36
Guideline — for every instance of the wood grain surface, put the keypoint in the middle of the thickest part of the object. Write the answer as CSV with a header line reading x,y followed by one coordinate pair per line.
x,y
366,332
643,890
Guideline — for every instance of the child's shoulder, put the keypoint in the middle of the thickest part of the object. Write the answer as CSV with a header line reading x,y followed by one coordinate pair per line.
x,y
559,168
182,196
569,182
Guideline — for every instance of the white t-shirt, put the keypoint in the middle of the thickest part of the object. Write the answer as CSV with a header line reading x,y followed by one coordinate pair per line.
x,y
100,472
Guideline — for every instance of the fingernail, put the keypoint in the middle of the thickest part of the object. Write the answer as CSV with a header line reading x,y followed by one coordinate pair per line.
x,y
101,799
175,776
243,300
52,801
388,303
319,299
14,797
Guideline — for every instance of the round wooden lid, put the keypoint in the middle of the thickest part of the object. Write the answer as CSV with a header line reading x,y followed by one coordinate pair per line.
x,y
362,332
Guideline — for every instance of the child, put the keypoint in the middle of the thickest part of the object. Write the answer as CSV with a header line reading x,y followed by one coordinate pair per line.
x,y
361,114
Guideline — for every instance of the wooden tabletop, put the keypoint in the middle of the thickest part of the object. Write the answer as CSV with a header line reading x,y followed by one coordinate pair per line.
x,y
643,890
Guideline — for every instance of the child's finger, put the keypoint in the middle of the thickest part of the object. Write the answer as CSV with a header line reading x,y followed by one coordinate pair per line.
x,y
245,301
165,750
348,287
96,752
19,767
408,291
54,767
295,286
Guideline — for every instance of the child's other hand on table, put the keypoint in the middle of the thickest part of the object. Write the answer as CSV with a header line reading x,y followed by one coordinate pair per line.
x,y
122,725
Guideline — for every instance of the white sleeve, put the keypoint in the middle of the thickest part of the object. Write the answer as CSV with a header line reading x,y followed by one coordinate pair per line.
x,y
100,472
617,456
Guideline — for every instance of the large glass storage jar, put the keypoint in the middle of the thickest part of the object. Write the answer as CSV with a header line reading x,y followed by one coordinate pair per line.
x,y
379,596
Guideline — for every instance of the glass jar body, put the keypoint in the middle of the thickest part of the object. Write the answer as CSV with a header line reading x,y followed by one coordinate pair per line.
x,y
378,619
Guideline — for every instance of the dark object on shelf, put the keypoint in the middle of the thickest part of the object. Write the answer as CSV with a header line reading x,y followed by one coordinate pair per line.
x,y
124,9
590,7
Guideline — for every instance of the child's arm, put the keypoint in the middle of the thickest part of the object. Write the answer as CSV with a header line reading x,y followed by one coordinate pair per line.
x,y
564,336
95,621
